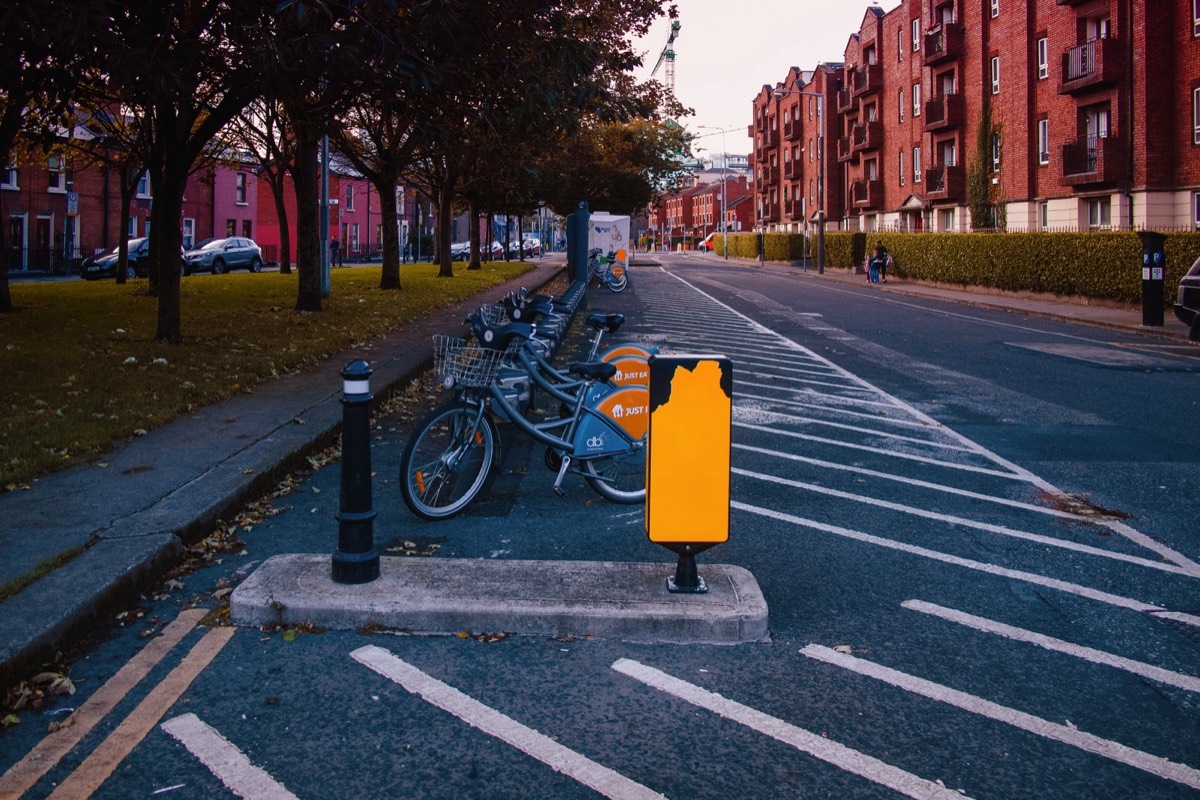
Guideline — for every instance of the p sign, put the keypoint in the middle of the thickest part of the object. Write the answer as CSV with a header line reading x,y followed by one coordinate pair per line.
x,y
687,455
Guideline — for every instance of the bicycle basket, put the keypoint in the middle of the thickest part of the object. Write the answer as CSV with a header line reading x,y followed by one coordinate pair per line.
x,y
494,315
467,366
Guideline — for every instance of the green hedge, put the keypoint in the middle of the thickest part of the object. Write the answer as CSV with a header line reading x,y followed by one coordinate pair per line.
x,y
1100,265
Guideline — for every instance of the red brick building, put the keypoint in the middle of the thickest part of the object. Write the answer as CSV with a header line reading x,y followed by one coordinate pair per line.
x,y
1094,110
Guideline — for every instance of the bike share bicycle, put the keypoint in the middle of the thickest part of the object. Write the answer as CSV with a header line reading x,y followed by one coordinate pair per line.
x,y
454,451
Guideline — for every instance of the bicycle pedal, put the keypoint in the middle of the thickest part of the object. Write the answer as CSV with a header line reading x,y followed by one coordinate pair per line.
x,y
562,471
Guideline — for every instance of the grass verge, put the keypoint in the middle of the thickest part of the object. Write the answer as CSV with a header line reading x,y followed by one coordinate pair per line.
x,y
81,369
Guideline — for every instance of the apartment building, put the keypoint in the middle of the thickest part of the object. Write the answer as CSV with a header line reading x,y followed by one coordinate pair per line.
x,y
1085,114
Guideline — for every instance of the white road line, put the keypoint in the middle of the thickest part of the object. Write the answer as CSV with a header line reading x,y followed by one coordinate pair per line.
x,y
803,381
990,569
839,410
1117,527
738,383
827,750
820,370
745,411
1178,679
536,745
880,451
225,761
1155,765
964,522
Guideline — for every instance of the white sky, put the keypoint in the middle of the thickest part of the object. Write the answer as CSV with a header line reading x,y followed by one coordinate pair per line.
x,y
726,51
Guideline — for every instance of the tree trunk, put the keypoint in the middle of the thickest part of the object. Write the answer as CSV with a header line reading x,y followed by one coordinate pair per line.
x,y
285,233
164,259
6,305
390,277
444,219
520,237
128,187
473,235
308,239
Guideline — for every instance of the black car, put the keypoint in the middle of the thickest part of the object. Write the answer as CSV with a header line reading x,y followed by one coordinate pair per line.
x,y
137,262
1187,306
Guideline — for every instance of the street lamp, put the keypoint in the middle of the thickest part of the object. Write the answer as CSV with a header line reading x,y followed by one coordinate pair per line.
x,y
779,93
724,184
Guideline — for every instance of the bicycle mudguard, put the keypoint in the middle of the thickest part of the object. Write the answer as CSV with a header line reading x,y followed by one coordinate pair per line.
x,y
627,351
627,408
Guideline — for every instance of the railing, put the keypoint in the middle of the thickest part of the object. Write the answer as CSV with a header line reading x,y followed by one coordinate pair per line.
x,y
845,100
867,136
1090,64
1094,159
866,193
944,111
944,42
867,79
54,260
846,151
945,182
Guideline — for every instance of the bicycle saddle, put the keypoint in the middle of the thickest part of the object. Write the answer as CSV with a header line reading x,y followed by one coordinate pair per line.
x,y
498,337
609,322
596,370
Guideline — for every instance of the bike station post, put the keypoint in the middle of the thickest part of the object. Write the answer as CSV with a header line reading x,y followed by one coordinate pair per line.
x,y
688,458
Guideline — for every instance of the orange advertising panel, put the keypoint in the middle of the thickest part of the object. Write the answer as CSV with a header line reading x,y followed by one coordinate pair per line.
x,y
688,449
629,407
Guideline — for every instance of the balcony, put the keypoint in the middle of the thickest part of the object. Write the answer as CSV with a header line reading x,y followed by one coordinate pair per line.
x,y
771,212
1072,2
760,124
795,210
866,194
771,138
945,111
1091,65
1093,160
945,42
845,100
771,173
867,79
866,136
945,182
793,171
846,152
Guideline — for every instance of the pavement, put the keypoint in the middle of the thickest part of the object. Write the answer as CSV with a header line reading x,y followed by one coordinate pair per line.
x,y
100,534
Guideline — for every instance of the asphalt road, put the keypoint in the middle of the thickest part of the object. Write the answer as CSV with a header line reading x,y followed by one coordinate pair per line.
x,y
975,532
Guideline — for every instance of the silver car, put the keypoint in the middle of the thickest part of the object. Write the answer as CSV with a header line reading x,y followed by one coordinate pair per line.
x,y
222,255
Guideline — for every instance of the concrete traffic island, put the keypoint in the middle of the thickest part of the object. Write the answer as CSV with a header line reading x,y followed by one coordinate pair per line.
x,y
607,600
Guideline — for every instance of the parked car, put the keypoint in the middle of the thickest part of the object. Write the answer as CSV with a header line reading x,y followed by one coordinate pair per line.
x,y
1187,305
532,246
137,262
222,255
460,251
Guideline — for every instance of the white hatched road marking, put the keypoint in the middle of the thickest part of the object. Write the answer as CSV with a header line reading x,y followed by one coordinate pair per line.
x,y
827,750
991,569
226,762
840,410
1147,762
1178,679
950,519
536,745
1191,567
747,412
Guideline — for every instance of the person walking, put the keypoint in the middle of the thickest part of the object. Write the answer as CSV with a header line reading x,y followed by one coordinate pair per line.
x,y
877,263
335,252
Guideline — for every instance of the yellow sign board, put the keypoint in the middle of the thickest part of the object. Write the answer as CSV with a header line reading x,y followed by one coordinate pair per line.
x,y
688,449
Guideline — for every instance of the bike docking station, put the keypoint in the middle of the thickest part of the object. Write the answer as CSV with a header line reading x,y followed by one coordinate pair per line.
x,y
687,459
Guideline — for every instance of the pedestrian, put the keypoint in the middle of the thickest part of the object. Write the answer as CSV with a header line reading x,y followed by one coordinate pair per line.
x,y
335,252
887,263
877,263
404,252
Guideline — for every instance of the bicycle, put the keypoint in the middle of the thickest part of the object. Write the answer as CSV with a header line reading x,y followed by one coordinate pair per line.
x,y
607,271
455,450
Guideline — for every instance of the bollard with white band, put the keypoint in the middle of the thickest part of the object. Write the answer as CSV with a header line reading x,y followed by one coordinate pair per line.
x,y
356,560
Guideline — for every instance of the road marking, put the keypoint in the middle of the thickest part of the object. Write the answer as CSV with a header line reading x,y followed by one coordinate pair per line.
x,y
1141,668
950,519
1155,765
738,383
25,773
786,380
827,750
990,569
750,412
561,759
96,768
878,450
226,762
839,410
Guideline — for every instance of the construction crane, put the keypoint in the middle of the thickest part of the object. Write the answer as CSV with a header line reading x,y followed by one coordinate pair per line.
x,y
667,56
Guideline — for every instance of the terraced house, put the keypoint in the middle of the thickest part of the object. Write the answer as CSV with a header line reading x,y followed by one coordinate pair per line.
x,y
1070,114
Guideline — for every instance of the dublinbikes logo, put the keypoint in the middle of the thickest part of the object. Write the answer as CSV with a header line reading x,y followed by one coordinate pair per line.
x,y
595,442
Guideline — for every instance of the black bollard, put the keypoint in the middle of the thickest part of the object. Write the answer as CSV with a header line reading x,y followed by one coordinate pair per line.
x,y
356,560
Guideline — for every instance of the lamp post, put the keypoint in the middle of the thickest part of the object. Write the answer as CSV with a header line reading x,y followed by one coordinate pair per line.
x,y
779,93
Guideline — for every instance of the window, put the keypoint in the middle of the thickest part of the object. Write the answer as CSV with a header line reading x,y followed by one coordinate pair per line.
x,y
1196,206
56,180
900,166
248,229
1043,141
948,153
995,8
916,165
810,151
916,32
189,233
899,44
143,187
350,197
8,179
241,188
1099,212
946,218
1044,215
812,104
900,104
1196,113
230,228
995,74
131,228
869,54
1195,17
995,151
916,96
1043,57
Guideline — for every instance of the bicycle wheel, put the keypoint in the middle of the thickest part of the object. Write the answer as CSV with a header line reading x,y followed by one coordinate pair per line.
x,y
615,283
620,478
448,460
